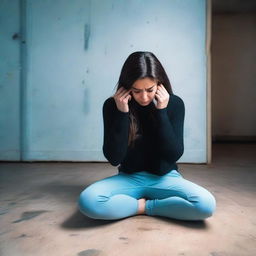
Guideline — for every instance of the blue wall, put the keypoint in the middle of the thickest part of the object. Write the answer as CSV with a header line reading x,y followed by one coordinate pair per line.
x,y
74,53
9,80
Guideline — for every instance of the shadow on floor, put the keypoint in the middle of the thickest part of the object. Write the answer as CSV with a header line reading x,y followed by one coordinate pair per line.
x,y
63,192
200,224
78,220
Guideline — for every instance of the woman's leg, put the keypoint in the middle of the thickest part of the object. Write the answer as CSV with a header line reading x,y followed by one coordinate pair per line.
x,y
114,197
174,197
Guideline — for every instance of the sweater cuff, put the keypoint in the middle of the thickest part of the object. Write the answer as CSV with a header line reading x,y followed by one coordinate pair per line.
x,y
121,114
161,113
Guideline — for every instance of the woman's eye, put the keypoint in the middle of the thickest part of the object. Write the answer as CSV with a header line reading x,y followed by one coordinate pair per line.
x,y
139,92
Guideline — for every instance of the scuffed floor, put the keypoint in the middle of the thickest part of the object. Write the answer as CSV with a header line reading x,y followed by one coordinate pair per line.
x,y
39,215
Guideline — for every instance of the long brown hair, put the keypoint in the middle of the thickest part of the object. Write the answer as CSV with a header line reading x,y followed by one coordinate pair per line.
x,y
140,65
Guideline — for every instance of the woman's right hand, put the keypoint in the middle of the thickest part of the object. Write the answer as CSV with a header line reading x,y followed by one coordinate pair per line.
x,y
122,97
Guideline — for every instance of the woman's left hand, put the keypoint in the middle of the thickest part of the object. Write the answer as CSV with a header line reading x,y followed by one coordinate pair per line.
x,y
162,97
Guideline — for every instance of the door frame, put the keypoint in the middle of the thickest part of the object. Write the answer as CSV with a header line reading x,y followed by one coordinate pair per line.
x,y
208,81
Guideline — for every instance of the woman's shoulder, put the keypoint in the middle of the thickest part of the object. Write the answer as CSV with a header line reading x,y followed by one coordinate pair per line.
x,y
109,102
175,100
175,103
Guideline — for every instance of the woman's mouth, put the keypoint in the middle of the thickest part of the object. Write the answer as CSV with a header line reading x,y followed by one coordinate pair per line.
x,y
145,103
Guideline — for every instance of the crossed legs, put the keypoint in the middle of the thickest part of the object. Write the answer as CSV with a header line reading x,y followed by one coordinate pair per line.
x,y
125,195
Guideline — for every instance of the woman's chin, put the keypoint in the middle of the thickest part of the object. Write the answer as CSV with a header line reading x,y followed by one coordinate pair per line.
x,y
144,103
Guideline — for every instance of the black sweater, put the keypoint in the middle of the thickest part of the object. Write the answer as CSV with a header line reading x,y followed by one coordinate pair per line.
x,y
160,141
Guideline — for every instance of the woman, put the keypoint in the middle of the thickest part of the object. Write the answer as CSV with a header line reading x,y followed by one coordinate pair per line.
x,y
143,134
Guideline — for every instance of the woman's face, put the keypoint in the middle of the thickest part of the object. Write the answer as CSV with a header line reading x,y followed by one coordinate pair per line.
x,y
144,90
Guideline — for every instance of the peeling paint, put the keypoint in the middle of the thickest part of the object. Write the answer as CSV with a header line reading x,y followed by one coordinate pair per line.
x,y
87,34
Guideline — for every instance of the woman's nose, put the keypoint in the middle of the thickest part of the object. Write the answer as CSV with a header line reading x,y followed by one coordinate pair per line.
x,y
144,95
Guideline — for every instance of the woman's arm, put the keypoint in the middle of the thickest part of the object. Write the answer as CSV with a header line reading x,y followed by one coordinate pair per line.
x,y
170,129
116,132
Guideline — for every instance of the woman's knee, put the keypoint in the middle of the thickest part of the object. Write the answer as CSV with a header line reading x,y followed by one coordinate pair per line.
x,y
205,205
89,201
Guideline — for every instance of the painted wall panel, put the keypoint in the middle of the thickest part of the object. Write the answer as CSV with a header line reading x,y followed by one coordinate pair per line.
x,y
75,51
9,80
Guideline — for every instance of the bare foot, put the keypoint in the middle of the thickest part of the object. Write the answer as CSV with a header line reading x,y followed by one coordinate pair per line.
x,y
141,206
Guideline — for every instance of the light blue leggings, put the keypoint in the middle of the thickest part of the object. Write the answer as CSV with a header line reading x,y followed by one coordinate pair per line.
x,y
170,195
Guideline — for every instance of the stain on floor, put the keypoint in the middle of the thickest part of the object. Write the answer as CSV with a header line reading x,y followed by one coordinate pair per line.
x,y
123,238
22,236
73,234
2,212
218,254
29,215
147,229
89,252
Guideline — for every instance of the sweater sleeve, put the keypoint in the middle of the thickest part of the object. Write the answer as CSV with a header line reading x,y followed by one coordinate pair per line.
x,y
116,132
170,129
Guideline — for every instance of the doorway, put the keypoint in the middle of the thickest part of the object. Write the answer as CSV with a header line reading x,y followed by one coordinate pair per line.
x,y
233,54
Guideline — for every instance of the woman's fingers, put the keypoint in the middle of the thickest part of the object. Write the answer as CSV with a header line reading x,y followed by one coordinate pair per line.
x,y
162,91
118,92
162,96
159,92
126,94
122,93
122,96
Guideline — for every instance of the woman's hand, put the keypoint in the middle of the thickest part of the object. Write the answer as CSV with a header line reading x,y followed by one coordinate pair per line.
x,y
162,97
122,97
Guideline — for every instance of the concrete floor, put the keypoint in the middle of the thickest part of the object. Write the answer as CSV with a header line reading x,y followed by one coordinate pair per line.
x,y
39,216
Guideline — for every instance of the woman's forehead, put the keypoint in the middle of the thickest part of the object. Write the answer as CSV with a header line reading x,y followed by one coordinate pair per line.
x,y
144,83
